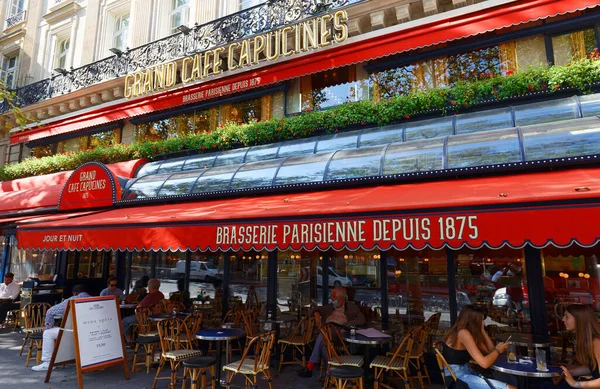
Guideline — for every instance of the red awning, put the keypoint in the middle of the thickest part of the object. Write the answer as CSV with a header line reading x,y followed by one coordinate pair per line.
x,y
537,208
442,30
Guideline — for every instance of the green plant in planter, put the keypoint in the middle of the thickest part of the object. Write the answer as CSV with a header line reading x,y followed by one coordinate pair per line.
x,y
579,75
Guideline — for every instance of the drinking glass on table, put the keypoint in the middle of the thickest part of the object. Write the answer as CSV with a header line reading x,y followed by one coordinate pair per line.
x,y
512,353
540,359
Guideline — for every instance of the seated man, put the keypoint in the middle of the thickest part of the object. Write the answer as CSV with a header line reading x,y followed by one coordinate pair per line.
x,y
51,332
153,297
112,289
341,312
9,291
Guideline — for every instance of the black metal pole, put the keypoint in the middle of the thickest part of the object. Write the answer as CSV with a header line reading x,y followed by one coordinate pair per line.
x,y
325,279
451,268
225,284
537,298
383,284
272,283
188,265
128,262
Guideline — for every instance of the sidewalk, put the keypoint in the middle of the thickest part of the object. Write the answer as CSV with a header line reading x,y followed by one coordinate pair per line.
x,y
14,374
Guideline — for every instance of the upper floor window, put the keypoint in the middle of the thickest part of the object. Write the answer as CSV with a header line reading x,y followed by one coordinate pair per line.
x,y
180,14
573,46
245,4
60,57
15,12
9,72
121,32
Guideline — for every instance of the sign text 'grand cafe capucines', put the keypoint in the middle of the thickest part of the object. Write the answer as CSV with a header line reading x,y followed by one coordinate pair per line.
x,y
490,205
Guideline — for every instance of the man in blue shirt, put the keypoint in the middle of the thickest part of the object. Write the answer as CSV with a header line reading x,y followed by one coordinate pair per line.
x,y
51,332
112,289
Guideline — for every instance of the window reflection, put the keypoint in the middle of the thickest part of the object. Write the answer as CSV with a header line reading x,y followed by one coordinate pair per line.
x,y
247,272
34,263
414,157
417,287
496,281
302,169
570,276
490,148
361,162
573,46
81,143
553,141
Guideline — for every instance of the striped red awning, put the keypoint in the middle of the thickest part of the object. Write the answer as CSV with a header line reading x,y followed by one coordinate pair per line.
x,y
536,208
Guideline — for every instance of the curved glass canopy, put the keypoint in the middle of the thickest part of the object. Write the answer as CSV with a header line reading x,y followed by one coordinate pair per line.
x,y
438,128
518,144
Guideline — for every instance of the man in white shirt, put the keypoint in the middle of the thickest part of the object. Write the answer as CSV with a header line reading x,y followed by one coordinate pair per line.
x,y
9,291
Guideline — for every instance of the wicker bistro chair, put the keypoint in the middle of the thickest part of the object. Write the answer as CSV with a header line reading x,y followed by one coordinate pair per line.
x,y
147,339
443,365
416,357
253,363
397,364
193,324
35,313
196,368
171,306
234,318
170,331
302,336
344,369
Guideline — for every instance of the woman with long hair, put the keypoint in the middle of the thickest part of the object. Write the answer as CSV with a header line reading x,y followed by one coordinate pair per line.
x,y
468,340
582,320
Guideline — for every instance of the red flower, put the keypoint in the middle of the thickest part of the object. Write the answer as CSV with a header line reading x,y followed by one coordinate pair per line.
x,y
556,86
509,72
203,147
278,128
214,146
362,123
530,87
407,116
453,102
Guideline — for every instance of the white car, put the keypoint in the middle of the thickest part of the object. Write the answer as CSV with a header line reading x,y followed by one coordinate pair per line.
x,y
199,270
335,279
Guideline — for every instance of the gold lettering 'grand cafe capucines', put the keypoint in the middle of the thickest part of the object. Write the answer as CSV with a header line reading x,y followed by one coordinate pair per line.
x,y
295,39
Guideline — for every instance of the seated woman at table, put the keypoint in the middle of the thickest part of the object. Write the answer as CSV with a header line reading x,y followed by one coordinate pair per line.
x,y
582,320
468,340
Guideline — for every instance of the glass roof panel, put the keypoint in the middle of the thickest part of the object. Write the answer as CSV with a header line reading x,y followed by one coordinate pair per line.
x,y
305,168
363,162
297,147
428,129
487,148
256,174
493,119
381,135
231,157
566,139
215,179
546,112
590,104
261,153
172,165
335,142
147,186
180,183
414,156
149,168
200,161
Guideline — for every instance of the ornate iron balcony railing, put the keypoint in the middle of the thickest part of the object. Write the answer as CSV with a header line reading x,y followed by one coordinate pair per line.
x,y
16,19
265,17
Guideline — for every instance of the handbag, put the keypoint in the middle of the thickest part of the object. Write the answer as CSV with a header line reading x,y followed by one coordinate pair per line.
x,y
458,384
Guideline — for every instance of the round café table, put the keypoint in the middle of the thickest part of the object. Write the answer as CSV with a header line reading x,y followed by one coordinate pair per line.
x,y
219,335
525,340
164,316
369,343
524,371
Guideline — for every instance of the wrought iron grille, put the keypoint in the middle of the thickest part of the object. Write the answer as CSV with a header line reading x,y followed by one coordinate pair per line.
x,y
16,19
262,18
